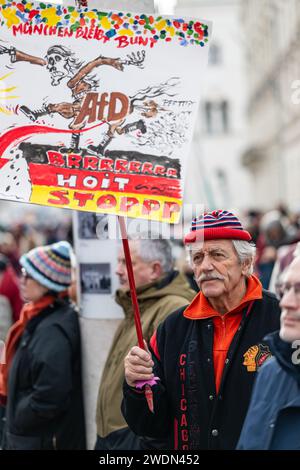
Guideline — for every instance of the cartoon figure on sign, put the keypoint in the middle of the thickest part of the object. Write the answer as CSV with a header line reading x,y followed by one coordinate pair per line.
x,y
62,64
86,110
141,104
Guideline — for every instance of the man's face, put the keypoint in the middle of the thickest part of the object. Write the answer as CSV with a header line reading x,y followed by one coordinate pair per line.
x,y
217,268
143,271
290,304
58,67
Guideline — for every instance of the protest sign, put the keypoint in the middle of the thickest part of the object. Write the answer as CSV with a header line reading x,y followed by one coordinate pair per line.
x,y
97,109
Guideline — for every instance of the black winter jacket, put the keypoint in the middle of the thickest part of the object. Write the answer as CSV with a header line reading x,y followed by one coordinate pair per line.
x,y
45,404
273,418
186,406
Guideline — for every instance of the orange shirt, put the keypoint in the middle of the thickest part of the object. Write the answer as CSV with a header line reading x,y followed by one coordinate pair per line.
x,y
226,325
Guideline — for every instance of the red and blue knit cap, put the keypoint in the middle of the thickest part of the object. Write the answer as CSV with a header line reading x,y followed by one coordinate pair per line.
x,y
216,225
49,265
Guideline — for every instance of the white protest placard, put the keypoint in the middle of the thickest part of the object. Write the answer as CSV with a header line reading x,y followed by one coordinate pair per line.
x,y
97,109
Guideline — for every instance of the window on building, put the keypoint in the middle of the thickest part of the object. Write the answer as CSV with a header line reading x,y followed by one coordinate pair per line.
x,y
216,117
214,54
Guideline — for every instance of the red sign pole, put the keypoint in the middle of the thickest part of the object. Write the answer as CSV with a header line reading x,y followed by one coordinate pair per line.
x,y
136,310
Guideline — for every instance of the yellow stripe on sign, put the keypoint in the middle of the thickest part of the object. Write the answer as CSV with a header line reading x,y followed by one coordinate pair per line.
x,y
4,98
125,32
5,76
5,90
5,111
170,30
106,24
160,25
159,208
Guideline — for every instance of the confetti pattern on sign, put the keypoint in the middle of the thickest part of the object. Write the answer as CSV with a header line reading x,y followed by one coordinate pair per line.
x,y
159,28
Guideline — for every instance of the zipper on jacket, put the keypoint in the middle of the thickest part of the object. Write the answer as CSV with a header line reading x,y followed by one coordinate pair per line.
x,y
223,328
234,344
54,444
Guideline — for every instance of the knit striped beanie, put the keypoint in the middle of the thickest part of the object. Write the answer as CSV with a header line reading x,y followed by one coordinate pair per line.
x,y
50,265
216,225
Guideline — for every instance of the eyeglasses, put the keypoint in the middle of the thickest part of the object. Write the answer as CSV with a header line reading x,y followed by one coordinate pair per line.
x,y
284,288
25,274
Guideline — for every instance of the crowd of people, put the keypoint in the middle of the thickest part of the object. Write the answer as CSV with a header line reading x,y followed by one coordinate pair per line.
x,y
17,237
232,310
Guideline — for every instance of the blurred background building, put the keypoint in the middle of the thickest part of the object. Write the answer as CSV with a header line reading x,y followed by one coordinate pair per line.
x,y
216,175
272,55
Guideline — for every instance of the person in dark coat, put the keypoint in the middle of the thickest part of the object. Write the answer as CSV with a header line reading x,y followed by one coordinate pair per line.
x,y
10,287
205,355
40,383
273,418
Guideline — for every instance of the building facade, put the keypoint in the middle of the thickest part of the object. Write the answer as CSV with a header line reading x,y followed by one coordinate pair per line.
x,y
271,42
215,174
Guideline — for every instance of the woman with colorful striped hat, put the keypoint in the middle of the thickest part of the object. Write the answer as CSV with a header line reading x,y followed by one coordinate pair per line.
x,y
40,379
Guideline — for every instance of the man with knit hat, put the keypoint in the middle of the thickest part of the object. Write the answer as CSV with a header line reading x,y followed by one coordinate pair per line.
x,y
160,290
206,354
40,381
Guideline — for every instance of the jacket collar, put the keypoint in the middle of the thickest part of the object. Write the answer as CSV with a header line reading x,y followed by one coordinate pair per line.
x,y
283,352
123,297
200,308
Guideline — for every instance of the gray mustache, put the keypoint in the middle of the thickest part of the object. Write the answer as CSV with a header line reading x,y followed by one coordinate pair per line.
x,y
209,277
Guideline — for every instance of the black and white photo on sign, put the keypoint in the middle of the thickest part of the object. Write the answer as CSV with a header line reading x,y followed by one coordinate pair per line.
x,y
95,278
92,226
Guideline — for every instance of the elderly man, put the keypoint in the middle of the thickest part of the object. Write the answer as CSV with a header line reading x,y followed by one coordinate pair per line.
x,y
273,419
206,354
160,290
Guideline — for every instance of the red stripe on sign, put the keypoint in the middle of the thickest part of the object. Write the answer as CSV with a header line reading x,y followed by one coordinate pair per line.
x,y
16,135
3,161
47,175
